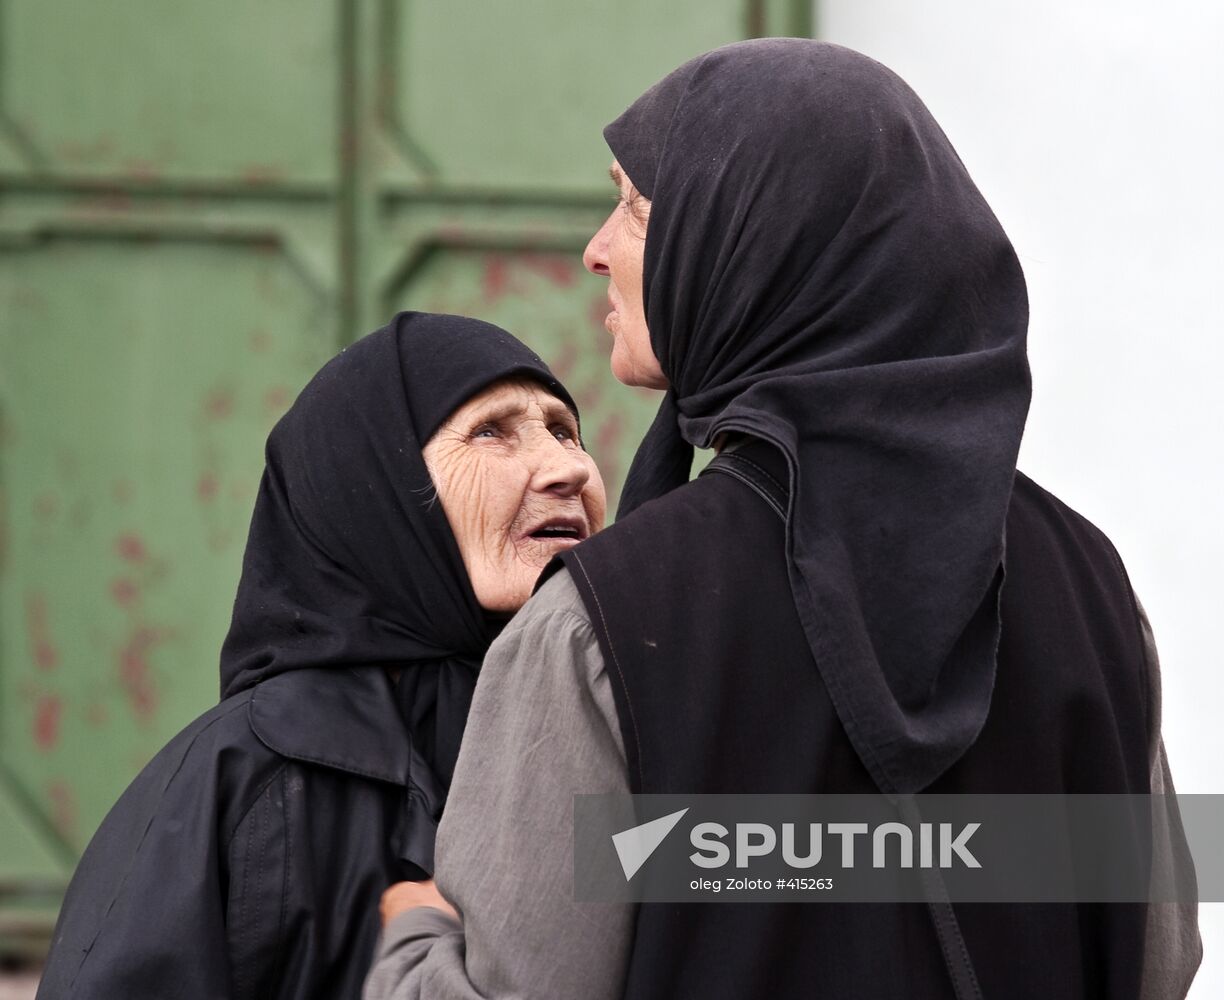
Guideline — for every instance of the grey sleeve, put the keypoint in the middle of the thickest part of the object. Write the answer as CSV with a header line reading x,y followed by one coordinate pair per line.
x,y
543,726
1172,948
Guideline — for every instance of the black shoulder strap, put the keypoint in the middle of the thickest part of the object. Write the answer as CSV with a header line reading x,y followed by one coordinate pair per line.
x,y
749,467
757,465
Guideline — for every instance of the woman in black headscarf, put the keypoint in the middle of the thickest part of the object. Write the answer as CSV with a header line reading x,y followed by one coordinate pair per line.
x,y
863,595
411,496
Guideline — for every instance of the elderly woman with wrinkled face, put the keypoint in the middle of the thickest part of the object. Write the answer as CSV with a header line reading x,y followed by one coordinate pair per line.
x,y
801,260
412,495
516,485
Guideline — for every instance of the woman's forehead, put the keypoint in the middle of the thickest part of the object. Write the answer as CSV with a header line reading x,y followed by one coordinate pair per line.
x,y
512,396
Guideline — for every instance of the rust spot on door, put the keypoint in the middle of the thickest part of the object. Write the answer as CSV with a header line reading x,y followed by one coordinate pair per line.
x,y
566,359
124,592
495,282
131,548
558,270
276,400
47,713
588,396
38,629
218,404
207,487
135,674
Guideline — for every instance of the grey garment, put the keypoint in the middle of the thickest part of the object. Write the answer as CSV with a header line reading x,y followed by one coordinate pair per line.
x,y
543,726
544,698
1173,948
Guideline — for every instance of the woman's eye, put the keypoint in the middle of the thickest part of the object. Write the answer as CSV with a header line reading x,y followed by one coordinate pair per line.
x,y
485,431
565,433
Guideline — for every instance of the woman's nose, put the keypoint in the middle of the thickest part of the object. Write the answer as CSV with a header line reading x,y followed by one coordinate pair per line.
x,y
560,469
595,256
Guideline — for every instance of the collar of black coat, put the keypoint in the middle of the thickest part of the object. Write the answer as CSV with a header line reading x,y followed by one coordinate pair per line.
x,y
345,719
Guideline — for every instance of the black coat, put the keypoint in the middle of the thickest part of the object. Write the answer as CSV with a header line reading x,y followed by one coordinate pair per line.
x,y
248,858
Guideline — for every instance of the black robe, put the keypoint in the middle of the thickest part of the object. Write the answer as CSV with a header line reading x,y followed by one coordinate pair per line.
x,y
717,692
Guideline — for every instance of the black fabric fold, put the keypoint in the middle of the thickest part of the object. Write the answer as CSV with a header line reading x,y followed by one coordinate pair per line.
x,y
821,273
341,719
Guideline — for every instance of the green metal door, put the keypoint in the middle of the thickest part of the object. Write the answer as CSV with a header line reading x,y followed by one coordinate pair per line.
x,y
200,203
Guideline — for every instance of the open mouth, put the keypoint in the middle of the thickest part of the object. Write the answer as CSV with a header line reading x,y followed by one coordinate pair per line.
x,y
560,527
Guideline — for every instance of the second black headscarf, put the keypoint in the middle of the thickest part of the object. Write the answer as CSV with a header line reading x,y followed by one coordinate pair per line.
x,y
350,561
821,272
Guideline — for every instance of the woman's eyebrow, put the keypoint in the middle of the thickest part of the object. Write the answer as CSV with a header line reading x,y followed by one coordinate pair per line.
x,y
615,173
497,412
494,412
559,411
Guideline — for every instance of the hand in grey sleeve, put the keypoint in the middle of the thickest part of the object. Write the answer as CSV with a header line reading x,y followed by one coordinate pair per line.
x,y
543,726
1173,948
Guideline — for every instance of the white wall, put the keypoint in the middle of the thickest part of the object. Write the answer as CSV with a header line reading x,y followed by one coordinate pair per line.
x,y
1096,131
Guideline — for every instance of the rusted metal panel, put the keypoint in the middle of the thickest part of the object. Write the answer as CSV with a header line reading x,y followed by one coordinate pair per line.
x,y
520,97
226,92
198,205
134,399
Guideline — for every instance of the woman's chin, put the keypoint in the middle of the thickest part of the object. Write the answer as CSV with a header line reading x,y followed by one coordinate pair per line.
x,y
538,552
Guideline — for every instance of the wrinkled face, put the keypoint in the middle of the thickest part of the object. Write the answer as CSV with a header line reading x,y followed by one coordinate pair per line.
x,y
617,252
516,485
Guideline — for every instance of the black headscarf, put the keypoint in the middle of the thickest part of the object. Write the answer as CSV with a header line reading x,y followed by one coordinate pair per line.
x,y
350,560
821,272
